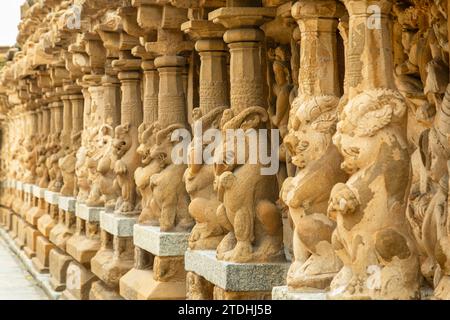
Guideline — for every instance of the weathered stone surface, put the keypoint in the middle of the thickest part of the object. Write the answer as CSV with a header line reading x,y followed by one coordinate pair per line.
x,y
283,293
28,188
78,283
141,285
163,244
350,184
51,197
90,214
58,264
38,192
67,203
118,225
236,276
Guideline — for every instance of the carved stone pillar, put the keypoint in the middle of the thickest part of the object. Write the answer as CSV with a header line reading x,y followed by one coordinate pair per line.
x,y
314,265
247,98
171,102
126,134
243,242
151,90
56,110
67,121
362,73
111,95
213,53
214,99
46,132
374,243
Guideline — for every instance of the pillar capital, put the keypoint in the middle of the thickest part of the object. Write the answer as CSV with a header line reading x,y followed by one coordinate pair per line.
x,y
367,8
241,17
203,29
312,9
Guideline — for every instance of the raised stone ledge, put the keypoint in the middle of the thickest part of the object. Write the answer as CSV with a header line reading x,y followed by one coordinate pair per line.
x,y
236,277
89,214
51,197
67,203
28,188
38,192
19,185
283,293
163,244
117,225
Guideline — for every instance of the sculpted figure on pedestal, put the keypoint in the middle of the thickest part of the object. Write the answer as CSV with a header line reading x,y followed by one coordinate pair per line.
x,y
247,211
82,174
310,145
199,179
31,156
142,175
67,166
372,236
170,200
427,210
42,170
437,75
282,89
127,161
103,191
56,152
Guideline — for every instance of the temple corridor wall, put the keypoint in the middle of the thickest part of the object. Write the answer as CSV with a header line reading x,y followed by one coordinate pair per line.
x,y
229,149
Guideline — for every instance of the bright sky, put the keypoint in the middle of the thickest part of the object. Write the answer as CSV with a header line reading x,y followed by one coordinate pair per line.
x,y
9,19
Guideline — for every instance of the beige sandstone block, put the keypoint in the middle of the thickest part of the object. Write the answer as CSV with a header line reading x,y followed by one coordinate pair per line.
x,y
141,285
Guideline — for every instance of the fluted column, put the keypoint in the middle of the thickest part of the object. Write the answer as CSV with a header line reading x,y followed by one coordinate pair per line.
x,y
213,79
111,95
151,90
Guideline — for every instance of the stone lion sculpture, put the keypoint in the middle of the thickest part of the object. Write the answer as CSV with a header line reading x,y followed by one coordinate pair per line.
x,y
372,236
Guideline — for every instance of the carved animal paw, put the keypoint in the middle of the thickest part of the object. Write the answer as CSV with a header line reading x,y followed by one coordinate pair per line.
x,y
342,200
196,234
120,168
126,207
242,252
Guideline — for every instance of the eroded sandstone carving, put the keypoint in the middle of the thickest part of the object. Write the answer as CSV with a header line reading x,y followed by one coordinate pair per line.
x,y
104,107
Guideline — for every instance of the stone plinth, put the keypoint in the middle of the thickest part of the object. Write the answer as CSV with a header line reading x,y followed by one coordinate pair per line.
x,y
89,214
51,197
166,280
7,218
163,244
283,293
82,248
41,260
45,224
78,283
117,225
28,188
141,285
101,292
67,203
21,232
14,223
30,249
58,264
236,279
39,192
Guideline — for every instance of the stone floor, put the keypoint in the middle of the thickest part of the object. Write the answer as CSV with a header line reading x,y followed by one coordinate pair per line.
x,y
15,282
